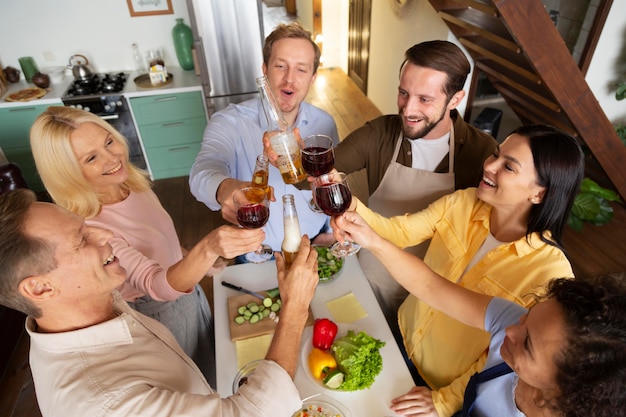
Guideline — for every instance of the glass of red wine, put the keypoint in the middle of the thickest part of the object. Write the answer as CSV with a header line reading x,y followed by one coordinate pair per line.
x,y
318,158
253,212
333,197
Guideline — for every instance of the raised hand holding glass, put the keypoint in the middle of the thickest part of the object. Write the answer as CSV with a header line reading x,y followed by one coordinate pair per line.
x,y
333,197
318,158
252,213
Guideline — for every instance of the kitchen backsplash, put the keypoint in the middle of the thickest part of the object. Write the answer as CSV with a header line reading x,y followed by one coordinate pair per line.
x,y
52,31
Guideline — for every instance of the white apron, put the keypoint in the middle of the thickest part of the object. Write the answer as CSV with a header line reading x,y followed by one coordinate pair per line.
x,y
402,190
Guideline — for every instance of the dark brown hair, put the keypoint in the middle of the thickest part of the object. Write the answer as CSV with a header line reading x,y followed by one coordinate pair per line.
x,y
21,255
442,56
591,369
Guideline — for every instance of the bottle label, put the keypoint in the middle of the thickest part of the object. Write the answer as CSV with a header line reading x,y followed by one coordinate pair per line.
x,y
289,162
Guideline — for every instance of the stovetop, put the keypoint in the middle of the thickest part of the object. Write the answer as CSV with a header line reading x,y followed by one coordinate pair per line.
x,y
96,86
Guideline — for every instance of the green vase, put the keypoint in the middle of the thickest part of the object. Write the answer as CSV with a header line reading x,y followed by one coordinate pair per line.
x,y
183,41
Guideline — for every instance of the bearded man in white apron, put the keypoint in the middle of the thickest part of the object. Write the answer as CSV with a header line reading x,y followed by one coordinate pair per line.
x,y
416,157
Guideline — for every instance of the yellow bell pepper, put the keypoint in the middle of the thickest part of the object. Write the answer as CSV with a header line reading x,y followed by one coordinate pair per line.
x,y
320,362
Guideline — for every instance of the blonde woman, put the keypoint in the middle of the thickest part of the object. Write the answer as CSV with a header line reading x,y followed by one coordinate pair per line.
x,y
84,164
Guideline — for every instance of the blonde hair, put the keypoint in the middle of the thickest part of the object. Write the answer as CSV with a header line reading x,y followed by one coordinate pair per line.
x,y
58,166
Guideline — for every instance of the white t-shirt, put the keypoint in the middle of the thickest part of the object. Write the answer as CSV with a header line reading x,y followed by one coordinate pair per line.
x,y
428,153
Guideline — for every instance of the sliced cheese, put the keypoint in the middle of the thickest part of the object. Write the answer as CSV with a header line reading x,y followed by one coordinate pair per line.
x,y
346,309
252,348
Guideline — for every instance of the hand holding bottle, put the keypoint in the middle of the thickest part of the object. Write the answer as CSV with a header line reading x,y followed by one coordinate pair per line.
x,y
267,147
292,237
281,136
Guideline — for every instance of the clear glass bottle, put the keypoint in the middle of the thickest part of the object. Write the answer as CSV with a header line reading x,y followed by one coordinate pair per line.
x,y
140,64
282,139
261,175
292,238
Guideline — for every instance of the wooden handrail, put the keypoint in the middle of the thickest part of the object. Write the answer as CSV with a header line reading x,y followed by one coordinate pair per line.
x,y
514,62
484,25
498,74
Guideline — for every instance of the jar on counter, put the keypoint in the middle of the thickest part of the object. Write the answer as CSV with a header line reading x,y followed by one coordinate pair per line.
x,y
156,66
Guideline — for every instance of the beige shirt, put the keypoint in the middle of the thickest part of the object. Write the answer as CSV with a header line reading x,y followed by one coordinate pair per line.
x,y
132,366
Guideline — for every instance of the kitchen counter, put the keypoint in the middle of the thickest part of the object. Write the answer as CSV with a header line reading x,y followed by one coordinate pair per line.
x,y
53,97
183,81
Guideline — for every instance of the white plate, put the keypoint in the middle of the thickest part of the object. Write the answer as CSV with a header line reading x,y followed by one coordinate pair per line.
x,y
322,406
308,346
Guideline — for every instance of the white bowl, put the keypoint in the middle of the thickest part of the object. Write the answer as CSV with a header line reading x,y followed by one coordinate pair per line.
x,y
321,405
322,269
307,347
56,74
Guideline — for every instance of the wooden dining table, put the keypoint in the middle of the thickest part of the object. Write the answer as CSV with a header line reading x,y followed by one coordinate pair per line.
x,y
394,379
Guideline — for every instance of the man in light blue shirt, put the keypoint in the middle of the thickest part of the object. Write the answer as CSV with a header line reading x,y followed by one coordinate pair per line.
x,y
234,136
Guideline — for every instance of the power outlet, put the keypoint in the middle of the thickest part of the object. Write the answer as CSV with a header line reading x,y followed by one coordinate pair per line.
x,y
48,56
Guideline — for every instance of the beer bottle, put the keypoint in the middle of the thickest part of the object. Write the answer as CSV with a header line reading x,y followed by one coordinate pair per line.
x,y
282,139
291,241
260,177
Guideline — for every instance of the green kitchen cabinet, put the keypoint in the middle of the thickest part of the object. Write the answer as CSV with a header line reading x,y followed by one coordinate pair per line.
x,y
15,124
171,128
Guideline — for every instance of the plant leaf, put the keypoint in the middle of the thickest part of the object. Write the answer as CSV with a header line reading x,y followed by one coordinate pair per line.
x,y
575,222
586,206
604,215
589,186
620,94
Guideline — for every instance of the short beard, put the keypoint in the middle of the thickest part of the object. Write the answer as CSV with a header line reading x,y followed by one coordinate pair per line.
x,y
423,131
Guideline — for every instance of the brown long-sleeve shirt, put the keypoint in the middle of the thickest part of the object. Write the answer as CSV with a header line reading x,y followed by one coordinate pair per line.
x,y
372,145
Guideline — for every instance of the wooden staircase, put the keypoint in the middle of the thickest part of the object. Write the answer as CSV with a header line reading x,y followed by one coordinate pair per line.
x,y
517,46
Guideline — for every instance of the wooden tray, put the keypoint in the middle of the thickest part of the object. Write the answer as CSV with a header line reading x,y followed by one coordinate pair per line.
x,y
247,330
143,81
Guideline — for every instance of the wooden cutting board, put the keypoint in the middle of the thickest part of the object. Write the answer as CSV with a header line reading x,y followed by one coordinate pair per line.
x,y
246,330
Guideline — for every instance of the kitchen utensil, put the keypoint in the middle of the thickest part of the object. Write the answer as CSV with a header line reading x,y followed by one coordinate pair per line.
x,y
144,81
247,330
29,68
80,70
12,74
240,289
41,80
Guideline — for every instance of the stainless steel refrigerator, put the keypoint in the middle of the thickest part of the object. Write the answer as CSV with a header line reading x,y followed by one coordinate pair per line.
x,y
228,39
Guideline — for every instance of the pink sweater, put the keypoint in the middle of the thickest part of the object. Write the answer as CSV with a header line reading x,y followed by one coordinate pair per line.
x,y
145,242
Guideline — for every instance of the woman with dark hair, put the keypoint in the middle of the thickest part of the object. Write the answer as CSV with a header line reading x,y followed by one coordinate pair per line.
x,y
565,356
502,239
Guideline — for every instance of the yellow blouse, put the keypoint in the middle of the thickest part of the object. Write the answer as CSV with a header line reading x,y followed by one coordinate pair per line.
x,y
445,351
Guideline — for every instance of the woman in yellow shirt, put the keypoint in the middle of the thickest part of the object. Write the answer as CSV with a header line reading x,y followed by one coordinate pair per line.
x,y
502,239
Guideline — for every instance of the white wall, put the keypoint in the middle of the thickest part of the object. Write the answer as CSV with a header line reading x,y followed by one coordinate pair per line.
x,y
52,31
609,64
391,36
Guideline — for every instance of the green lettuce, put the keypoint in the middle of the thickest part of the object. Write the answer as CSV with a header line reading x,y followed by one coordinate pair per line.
x,y
358,357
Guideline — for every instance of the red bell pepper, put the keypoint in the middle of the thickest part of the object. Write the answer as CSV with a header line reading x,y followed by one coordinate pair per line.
x,y
324,332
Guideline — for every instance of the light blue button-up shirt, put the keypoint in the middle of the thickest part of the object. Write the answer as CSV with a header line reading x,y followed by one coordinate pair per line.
x,y
232,141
